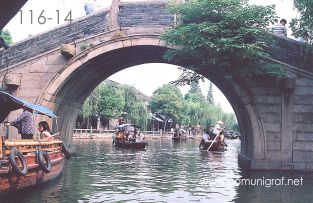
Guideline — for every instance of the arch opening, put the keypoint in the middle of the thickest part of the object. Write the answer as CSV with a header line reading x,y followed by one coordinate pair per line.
x,y
68,90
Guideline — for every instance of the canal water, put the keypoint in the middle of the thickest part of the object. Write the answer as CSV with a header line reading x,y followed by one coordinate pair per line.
x,y
164,172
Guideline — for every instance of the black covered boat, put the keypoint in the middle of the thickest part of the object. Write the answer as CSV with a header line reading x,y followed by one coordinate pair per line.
x,y
128,144
124,139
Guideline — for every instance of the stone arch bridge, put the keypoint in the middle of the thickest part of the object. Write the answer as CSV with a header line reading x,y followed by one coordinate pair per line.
x,y
275,116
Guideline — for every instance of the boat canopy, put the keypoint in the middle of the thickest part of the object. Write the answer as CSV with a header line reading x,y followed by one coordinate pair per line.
x,y
10,103
124,126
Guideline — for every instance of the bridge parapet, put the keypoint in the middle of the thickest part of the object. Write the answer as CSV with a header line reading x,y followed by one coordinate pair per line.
x,y
132,15
39,44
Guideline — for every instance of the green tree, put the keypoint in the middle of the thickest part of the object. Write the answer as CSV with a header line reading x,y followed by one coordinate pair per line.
x,y
227,34
167,100
304,23
5,34
111,102
135,107
210,98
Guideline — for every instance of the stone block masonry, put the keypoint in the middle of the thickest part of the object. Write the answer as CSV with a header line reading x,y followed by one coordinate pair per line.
x,y
34,46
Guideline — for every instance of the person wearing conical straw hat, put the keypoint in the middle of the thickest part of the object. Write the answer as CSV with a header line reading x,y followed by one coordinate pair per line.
x,y
217,128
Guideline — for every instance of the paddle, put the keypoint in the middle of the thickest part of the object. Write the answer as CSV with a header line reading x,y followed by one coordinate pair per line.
x,y
51,136
215,139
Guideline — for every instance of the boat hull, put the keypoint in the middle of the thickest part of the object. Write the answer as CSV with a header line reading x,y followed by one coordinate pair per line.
x,y
216,146
129,145
11,182
176,139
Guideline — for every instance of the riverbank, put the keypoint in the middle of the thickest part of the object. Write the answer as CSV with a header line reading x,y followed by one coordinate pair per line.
x,y
100,136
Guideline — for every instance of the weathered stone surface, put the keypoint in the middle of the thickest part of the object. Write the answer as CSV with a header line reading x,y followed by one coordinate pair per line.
x,y
271,118
301,90
68,50
36,45
273,137
299,166
12,79
276,165
309,166
273,108
272,127
303,108
303,127
301,156
265,99
304,99
305,82
303,146
288,166
304,136
56,59
304,118
261,164
265,91
274,146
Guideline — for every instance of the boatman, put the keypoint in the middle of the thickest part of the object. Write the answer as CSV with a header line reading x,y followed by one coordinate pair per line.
x,y
217,128
24,124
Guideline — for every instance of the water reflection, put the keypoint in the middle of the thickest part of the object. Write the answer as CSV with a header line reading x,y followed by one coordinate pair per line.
x,y
165,172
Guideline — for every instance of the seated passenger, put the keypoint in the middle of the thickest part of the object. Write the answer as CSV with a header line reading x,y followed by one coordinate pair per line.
x,y
176,133
126,135
140,137
44,130
206,136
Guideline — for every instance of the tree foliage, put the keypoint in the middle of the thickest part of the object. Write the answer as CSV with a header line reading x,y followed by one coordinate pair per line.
x,y
5,34
304,23
109,101
192,110
135,107
167,100
228,34
210,98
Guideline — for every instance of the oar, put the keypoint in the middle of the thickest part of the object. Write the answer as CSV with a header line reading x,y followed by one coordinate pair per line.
x,y
215,139
51,136
212,143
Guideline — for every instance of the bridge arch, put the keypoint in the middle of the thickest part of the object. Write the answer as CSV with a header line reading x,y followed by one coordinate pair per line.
x,y
67,90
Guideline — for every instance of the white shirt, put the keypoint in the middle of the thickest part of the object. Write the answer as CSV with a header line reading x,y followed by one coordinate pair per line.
x,y
279,29
206,137
217,129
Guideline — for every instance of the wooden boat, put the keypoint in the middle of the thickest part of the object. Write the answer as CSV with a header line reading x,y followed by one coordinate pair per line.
x,y
179,135
216,146
176,139
128,144
27,162
121,140
43,161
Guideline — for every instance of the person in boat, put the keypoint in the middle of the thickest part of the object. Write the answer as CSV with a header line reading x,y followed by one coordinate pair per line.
x,y
126,135
134,137
176,133
221,138
140,136
24,124
205,139
44,130
217,129
121,121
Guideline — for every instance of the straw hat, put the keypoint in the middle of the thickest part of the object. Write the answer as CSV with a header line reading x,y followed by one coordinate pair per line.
x,y
220,122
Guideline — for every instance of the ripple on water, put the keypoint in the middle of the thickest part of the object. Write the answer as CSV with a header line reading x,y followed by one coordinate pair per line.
x,y
164,172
